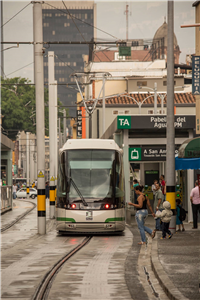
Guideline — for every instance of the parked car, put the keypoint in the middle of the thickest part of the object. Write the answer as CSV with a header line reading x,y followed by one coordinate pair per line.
x,y
22,193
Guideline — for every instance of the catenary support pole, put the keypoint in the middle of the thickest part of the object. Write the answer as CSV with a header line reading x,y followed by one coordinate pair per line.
x,y
52,128
104,107
170,158
155,98
40,128
64,126
56,136
27,163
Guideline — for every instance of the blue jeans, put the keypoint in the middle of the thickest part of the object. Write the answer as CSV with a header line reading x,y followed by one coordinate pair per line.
x,y
158,222
140,217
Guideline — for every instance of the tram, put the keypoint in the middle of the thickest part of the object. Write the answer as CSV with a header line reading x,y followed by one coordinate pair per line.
x,y
90,187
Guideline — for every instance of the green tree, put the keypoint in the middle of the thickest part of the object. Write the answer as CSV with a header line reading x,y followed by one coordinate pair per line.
x,y
18,107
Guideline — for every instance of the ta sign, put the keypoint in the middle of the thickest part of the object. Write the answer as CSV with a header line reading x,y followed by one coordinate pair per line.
x,y
123,122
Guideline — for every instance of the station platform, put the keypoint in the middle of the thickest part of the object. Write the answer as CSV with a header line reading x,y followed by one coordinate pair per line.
x,y
175,261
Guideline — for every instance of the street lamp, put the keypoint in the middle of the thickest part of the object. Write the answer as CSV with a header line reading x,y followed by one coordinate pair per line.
x,y
162,96
155,95
138,103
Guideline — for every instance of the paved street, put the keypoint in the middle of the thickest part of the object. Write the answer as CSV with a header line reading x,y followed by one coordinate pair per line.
x,y
109,267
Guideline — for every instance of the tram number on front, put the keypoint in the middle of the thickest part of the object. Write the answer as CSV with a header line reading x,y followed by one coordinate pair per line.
x,y
89,215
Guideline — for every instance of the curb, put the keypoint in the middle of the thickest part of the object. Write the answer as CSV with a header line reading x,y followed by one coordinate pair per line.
x,y
171,291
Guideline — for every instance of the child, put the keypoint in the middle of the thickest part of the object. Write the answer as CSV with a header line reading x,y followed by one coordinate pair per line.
x,y
165,217
178,221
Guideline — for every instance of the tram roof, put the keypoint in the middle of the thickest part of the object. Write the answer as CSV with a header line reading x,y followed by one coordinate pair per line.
x,y
90,144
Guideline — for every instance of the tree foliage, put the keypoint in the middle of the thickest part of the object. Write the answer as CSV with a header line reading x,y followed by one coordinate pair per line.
x,y
18,107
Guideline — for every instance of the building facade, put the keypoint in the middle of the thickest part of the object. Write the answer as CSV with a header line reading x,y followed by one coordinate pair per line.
x,y
73,22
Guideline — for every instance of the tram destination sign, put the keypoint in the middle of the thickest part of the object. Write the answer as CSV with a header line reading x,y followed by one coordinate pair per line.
x,y
196,75
154,122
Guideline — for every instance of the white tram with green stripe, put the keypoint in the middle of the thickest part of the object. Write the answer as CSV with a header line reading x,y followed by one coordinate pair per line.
x,y
90,188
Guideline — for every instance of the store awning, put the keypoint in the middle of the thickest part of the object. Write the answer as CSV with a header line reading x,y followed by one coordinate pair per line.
x,y
187,163
190,149
188,155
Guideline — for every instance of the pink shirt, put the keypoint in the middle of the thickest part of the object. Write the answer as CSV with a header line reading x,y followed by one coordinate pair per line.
x,y
195,195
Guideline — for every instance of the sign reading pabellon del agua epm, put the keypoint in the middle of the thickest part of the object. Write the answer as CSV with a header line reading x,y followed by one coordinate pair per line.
x,y
154,122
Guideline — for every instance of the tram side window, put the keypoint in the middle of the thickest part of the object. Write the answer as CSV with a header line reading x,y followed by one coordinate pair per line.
x,y
119,186
61,185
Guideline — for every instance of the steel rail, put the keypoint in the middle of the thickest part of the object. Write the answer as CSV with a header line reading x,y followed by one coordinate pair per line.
x,y
20,217
44,286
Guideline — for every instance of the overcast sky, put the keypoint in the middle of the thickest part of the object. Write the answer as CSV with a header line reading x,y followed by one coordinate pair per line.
x,y
144,19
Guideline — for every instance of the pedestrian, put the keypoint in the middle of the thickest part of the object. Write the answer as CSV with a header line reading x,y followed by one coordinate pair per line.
x,y
178,210
47,190
158,204
153,187
14,190
165,216
142,214
162,182
135,183
195,200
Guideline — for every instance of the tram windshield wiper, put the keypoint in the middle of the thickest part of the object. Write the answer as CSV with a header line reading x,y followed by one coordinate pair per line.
x,y
78,192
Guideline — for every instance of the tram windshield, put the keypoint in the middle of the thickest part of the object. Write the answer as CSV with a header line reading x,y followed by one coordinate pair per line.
x,y
96,174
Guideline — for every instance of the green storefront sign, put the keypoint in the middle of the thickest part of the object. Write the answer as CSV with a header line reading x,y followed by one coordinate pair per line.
x,y
135,154
123,122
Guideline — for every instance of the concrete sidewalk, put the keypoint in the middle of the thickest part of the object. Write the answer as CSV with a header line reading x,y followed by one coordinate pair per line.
x,y
176,262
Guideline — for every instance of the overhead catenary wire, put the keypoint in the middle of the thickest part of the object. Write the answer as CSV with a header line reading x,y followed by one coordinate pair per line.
x,y
16,14
20,69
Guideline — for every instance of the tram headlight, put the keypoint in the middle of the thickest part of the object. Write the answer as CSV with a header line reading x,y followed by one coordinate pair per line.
x,y
73,206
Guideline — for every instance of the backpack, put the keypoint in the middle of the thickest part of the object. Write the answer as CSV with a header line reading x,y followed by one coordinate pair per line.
x,y
183,213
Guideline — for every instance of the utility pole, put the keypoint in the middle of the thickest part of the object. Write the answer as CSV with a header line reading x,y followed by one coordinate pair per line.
x,y
64,126
52,128
60,134
56,136
27,163
155,98
126,13
40,128
170,157
104,106
2,56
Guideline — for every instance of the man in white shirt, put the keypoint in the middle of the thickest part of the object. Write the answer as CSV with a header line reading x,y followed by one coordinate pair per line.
x,y
14,191
195,200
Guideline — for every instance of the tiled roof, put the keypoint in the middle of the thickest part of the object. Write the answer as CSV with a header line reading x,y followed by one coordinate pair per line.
x,y
179,98
109,55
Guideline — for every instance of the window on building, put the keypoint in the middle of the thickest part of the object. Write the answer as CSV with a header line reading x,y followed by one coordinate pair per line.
x,y
141,83
127,112
115,112
86,16
53,32
165,83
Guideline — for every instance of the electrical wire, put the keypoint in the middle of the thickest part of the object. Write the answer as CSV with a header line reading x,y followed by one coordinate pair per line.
x,y
15,14
20,69
83,21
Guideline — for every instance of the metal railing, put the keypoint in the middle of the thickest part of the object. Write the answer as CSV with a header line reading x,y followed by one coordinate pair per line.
x,y
6,198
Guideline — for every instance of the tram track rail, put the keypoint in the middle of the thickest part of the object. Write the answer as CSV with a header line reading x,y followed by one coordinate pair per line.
x,y
45,285
8,226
